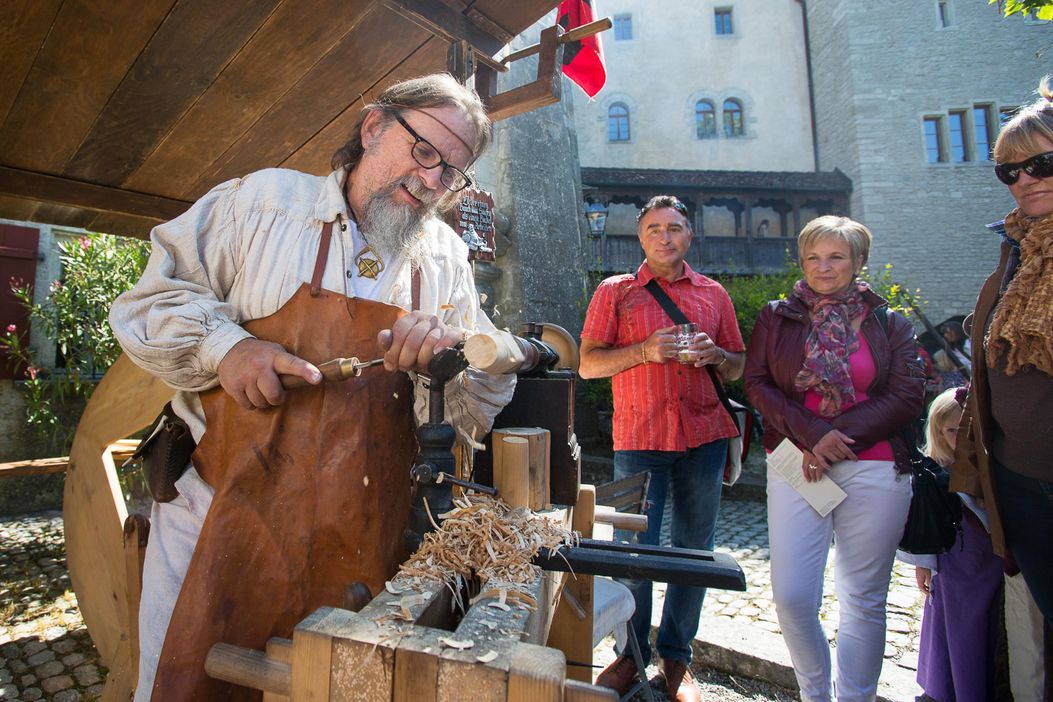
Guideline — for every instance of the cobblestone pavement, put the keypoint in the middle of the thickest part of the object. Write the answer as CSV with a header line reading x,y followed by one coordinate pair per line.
x,y
45,651
742,532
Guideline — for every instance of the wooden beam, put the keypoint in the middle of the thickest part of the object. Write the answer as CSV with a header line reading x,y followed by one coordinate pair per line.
x,y
41,466
545,90
442,21
16,182
120,450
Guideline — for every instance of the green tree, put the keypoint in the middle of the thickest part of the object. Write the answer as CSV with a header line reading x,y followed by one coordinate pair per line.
x,y
1042,9
96,268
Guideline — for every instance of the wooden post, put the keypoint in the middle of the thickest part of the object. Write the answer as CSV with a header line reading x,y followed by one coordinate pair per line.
x,y
539,443
136,535
512,469
572,623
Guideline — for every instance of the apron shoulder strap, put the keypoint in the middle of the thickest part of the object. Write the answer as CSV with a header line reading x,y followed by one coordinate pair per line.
x,y
319,262
415,289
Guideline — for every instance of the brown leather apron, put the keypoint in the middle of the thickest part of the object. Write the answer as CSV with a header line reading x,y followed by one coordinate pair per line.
x,y
309,496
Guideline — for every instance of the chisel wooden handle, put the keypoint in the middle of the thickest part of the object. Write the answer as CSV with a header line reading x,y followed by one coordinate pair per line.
x,y
332,371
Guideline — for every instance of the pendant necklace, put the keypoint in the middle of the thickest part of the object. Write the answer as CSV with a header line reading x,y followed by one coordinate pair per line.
x,y
368,260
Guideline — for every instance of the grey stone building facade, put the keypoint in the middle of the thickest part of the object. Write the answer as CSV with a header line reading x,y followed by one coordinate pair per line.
x,y
884,73
859,86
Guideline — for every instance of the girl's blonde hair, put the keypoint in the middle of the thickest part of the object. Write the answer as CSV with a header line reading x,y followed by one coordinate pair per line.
x,y
943,411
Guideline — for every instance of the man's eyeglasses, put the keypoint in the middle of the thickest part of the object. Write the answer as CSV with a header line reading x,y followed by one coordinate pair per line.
x,y
427,156
1040,166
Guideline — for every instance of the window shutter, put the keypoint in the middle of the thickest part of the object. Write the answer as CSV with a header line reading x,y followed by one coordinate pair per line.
x,y
18,262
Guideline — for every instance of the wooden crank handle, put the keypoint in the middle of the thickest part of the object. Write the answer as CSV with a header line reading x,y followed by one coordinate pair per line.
x,y
248,668
623,520
332,371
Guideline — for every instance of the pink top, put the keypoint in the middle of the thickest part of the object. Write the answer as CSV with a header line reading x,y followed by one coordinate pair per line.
x,y
862,370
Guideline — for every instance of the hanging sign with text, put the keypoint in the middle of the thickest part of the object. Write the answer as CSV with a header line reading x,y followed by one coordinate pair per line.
x,y
473,220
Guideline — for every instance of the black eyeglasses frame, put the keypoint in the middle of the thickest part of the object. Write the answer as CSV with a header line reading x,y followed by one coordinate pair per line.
x,y
1038,166
447,167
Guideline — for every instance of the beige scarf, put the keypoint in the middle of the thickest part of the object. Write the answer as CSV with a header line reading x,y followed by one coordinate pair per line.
x,y
1023,321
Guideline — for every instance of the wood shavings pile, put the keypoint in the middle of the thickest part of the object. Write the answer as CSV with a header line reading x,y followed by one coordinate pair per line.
x,y
481,537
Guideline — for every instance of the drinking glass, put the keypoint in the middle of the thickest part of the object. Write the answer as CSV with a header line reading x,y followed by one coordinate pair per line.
x,y
685,334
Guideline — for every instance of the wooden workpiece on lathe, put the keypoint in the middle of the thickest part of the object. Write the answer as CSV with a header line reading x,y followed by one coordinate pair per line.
x,y
496,352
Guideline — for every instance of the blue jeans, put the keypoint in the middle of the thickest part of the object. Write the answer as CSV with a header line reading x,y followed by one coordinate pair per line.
x,y
694,476
1026,506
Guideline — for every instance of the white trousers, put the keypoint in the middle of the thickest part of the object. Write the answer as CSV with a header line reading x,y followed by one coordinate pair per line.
x,y
867,526
174,529
1023,628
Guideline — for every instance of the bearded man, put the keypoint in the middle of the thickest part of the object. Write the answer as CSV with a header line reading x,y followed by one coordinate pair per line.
x,y
292,495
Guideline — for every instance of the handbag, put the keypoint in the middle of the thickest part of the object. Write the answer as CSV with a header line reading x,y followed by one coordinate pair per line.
x,y
165,454
738,446
935,517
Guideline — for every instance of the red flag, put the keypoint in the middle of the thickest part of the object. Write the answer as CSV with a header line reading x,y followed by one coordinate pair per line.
x,y
582,59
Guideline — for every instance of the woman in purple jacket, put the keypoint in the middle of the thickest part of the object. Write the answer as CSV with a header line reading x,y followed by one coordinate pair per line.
x,y
836,373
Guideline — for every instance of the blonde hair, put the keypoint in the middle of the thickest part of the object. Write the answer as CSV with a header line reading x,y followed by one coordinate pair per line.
x,y
856,235
943,412
1018,138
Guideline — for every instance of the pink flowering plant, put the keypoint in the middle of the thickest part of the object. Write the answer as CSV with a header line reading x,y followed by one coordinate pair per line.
x,y
95,269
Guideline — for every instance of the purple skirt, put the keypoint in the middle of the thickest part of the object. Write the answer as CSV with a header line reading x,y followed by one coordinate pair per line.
x,y
959,627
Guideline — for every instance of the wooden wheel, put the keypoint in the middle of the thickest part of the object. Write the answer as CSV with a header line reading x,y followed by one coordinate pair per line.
x,y
94,513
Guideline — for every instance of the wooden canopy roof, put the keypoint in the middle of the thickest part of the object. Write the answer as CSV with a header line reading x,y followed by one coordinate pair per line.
x,y
116,115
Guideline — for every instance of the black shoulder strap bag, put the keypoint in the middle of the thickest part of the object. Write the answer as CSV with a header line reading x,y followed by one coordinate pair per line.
x,y
739,445
679,317
935,516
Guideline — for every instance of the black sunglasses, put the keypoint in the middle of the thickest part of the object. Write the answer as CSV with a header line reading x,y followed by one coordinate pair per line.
x,y
426,155
1040,166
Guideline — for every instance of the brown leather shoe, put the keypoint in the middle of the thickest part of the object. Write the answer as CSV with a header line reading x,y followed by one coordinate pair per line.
x,y
680,684
619,675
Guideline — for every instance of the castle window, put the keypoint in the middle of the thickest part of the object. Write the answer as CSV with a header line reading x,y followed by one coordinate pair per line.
x,y
705,119
732,118
618,122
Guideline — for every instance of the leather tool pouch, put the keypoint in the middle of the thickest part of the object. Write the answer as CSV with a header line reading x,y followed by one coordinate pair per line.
x,y
165,454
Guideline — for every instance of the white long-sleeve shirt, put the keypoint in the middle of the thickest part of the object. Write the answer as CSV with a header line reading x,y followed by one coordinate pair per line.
x,y
242,250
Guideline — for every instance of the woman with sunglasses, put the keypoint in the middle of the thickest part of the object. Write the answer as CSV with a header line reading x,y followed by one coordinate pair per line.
x,y
1006,456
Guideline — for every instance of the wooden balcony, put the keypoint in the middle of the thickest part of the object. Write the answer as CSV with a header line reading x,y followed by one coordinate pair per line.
x,y
735,255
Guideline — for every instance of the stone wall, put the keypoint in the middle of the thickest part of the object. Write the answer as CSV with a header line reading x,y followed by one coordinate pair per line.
x,y
879,68
532,171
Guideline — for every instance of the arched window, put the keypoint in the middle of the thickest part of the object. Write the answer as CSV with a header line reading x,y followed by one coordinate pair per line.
x,y
705,119
732,118
618,122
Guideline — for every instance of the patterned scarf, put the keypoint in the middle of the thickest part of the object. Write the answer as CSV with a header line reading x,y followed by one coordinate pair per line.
x,y
831,341
1023,321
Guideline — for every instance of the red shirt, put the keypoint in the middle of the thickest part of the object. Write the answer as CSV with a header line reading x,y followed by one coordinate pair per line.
x,y
663,406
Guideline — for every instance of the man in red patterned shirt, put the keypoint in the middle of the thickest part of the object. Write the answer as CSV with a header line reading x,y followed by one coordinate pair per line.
x,y
667,417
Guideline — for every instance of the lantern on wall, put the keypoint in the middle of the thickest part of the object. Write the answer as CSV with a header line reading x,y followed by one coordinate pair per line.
x,y
596,213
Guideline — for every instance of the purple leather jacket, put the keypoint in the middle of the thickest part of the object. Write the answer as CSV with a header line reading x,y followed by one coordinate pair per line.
x,y
776,354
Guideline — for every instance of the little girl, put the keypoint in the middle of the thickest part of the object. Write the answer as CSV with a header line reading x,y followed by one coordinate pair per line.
x,y
959,626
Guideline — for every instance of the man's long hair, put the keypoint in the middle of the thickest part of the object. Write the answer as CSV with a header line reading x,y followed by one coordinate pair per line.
x,y
435,90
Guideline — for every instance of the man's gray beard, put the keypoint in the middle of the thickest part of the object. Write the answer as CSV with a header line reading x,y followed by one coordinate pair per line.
x,y
392,227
